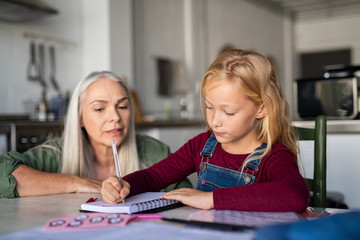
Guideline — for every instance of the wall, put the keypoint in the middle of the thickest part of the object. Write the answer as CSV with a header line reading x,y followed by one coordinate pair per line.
x,y
88,35
251,26
107,37
245,26
342,167
121,38
97,35
158,32
328,34
66,31
162,29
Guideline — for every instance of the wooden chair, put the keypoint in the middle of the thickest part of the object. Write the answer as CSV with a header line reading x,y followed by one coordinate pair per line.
x,y
318,184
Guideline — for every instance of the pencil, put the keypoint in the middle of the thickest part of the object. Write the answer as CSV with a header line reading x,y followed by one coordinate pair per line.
x,y
118,173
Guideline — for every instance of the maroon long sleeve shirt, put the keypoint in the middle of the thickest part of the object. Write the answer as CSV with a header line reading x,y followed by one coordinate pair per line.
x,y
278,186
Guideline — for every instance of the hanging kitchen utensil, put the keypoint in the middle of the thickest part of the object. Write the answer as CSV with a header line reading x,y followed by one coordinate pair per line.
x,y
42,70
42,114
53,70
33,69
42,65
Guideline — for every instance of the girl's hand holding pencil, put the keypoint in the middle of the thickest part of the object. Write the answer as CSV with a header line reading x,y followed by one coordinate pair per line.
x,y
113,192
114,189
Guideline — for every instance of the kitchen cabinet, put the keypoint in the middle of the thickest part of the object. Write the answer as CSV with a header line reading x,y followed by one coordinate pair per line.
x,y
343,166
22,135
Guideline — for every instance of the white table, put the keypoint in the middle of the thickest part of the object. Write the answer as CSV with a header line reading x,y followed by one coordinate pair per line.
x,y
29,212
22,218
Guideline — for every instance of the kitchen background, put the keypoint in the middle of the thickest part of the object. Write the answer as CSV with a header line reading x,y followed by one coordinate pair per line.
x,y
135,38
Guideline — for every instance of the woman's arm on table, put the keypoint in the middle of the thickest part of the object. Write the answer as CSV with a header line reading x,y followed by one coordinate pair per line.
x,y
37,172
32,182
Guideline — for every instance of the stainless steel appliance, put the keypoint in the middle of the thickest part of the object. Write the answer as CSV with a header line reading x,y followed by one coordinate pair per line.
x,y
336,97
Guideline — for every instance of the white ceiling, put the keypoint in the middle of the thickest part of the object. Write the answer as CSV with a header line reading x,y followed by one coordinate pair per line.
x,y
303,10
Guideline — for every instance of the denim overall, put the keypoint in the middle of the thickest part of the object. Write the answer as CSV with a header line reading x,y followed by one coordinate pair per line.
x,y
212,176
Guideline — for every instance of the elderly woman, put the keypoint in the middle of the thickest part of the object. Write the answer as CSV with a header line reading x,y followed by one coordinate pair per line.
x,y
100,111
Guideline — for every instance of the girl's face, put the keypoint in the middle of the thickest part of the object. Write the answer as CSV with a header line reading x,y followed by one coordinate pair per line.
x,y
231,116
105,113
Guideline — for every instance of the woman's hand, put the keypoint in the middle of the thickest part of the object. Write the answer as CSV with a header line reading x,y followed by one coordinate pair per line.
x,y
87,185
113,192
192,197
32,182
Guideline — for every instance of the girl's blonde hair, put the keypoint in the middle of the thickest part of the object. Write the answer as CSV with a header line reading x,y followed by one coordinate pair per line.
x,y
78,158
257,78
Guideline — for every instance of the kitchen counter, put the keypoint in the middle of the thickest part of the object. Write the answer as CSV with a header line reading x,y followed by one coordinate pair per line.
x,y
335,126
22,134
170,124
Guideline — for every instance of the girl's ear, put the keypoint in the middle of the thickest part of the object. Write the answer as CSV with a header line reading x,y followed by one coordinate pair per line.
x,y
262,111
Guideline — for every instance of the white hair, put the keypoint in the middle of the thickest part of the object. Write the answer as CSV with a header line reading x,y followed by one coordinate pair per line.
x,y
78,158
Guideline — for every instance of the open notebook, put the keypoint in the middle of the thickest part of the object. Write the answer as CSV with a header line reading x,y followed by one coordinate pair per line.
x,y
143,202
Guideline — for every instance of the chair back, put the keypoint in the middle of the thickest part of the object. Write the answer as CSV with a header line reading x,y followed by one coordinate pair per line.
x,y
318,184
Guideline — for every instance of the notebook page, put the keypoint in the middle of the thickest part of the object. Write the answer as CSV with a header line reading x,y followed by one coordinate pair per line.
x,y
136,203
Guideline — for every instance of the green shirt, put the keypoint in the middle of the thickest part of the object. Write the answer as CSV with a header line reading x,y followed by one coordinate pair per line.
x,y
48,159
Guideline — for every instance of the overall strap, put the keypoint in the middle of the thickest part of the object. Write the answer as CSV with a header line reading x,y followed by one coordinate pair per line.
x,y
254,157
209,146
211,143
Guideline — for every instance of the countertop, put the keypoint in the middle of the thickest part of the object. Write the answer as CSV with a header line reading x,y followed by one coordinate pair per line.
x,y
25,122
335,126
171,123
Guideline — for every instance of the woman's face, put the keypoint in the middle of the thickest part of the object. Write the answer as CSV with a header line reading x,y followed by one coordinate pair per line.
x,y
105,112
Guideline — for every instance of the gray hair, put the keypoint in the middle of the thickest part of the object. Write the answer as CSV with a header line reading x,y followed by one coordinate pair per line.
x,y
78,158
